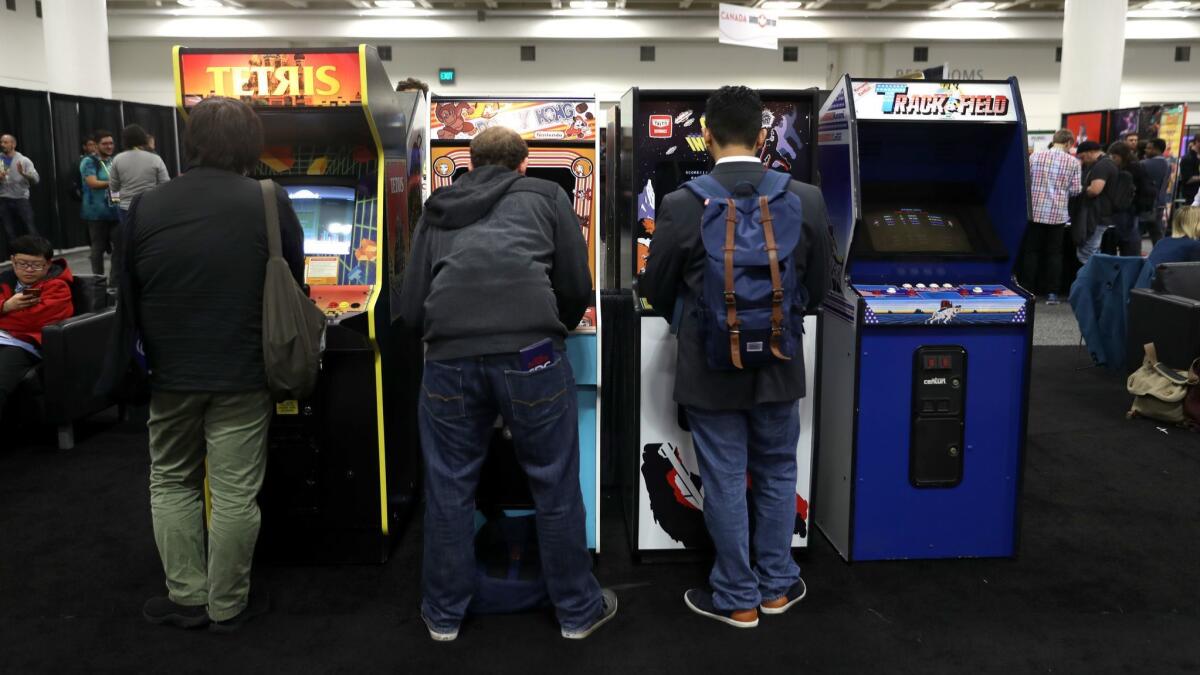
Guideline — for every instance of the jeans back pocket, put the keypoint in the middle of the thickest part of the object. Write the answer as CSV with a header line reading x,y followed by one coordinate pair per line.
x,y
539,396
442,391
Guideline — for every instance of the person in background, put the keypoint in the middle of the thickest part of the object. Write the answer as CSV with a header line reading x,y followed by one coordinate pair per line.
x,y
1157,169
1189,172
192,287
17,174
87,147
150,142
1125,216
97,209
1054,177
1099,182
34,293
478,313
1130,139
133,172
744,423
1182,246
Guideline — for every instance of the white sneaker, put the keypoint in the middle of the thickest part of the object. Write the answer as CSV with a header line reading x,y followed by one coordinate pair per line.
x,y
610,610
439,634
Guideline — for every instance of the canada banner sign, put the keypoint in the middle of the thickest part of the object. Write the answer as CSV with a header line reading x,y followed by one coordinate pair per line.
x,y
748,27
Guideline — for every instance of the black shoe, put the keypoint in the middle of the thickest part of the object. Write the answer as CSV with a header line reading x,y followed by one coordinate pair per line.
x,y
607,613
161,611
258,604
700,602
786,601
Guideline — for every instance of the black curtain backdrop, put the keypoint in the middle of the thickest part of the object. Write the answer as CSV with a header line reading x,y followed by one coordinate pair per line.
x,y
73,117
26,115
159,120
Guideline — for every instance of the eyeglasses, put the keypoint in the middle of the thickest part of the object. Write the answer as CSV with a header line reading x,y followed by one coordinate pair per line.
x,y
31,266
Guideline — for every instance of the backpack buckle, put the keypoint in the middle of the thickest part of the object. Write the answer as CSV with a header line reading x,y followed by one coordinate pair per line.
x,y
730,298
777,295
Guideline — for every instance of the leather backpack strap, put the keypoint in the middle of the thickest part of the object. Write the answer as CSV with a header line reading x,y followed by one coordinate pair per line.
x,y
1151,353
731,320
776,280
271,210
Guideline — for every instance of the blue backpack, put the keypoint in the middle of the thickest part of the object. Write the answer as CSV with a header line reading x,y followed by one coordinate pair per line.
x,y
751,305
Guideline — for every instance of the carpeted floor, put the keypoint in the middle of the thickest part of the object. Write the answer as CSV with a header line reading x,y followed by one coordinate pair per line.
x,y
1107,579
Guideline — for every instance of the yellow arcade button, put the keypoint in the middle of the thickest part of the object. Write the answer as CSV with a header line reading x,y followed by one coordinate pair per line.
x,y
343,305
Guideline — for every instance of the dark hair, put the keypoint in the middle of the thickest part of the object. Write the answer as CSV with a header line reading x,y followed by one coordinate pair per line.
x,y
1121,150
734,116
412,84
498,145
223,133
1127,134
101,134
87,138
1158,143
134,136
31,244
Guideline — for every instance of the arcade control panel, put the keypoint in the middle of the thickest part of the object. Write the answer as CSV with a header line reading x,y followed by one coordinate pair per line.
x,y
335,301
941,303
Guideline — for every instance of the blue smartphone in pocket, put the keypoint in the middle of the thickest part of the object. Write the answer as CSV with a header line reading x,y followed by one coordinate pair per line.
x,y
537,355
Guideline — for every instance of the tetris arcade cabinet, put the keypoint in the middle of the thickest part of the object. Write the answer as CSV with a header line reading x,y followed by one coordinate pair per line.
x,y
564,149
348,149
927,337
660,148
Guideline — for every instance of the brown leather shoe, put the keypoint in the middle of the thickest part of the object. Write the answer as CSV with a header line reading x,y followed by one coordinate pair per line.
x,y
700,602
786,601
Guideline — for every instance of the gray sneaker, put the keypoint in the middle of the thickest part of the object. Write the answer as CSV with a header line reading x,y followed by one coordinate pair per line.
x,y
1052,299
610,610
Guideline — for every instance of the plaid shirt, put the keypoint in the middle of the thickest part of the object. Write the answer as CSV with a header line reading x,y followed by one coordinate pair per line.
x,y
1053,178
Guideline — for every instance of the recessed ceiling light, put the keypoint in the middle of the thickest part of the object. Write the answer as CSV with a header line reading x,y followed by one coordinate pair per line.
x,y
589,4
781,4
201,4
395,4
972,6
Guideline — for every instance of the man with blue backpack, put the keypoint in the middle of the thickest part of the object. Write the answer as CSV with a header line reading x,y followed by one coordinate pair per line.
x,y
738,257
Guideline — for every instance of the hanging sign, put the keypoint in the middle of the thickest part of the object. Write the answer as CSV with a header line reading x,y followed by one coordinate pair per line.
x,y
748,27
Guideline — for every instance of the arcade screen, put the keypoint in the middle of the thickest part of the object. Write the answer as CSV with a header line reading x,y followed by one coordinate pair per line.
x,y
910,230
326,214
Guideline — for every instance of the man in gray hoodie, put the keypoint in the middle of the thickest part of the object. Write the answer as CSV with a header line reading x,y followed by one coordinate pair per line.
x,y
499,264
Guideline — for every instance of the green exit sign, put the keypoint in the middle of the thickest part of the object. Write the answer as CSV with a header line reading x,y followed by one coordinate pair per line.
x,y
446,75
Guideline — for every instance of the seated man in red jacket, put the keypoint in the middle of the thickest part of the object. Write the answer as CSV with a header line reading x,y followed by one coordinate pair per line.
x,y
35,292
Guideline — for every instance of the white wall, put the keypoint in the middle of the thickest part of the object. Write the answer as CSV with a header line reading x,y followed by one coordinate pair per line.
x,y
22,50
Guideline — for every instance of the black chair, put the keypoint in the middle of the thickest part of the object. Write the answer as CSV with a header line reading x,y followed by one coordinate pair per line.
x,y
60,390
1167,314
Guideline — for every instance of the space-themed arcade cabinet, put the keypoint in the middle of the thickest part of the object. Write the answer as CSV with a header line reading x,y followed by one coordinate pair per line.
x,y
927,337
341,467
658,148
564,148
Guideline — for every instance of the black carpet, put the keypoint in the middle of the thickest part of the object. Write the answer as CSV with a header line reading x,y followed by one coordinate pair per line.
x,y
1108,578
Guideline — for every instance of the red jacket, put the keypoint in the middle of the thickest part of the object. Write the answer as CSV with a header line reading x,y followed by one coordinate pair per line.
x,y
56,305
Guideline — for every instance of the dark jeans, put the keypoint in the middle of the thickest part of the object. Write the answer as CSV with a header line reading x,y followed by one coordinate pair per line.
x,y
16,215
1042,257
729,444
1152,223
460,400
14,363
104,236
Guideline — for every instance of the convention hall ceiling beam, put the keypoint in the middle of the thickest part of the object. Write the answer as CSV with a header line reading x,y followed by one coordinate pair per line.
x,y
684,4
817,5
880,4
361,4
620,4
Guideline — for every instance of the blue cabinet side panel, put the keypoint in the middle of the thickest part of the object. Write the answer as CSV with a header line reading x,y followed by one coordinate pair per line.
x,y
976,518
587,397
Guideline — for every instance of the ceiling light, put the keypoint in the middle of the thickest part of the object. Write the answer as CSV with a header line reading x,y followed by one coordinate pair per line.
x,y
1165,5
972,6
781,4
589,4
201,4
395,4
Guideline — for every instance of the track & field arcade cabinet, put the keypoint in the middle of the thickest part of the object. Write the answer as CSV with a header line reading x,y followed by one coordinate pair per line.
x,y
927,338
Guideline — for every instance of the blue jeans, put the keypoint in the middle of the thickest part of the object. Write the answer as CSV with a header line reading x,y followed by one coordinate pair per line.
x,y
1087,249
730,443
460,399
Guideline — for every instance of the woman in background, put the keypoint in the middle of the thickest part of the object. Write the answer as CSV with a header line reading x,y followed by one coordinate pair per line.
x,y
1182,246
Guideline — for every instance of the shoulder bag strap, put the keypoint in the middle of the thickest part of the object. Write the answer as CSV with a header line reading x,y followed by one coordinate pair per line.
x,y
731,320
271,209
776,280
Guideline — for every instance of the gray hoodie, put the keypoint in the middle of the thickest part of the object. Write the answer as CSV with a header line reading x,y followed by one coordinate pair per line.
x,y
15,184
498,263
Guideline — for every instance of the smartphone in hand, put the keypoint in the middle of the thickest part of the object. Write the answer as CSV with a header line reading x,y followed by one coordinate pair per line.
x,y
32,292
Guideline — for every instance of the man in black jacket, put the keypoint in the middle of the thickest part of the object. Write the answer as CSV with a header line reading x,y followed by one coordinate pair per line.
x,y
191,286
499,264
742,420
